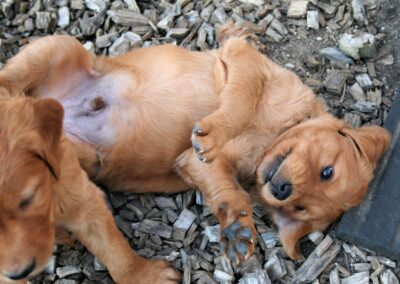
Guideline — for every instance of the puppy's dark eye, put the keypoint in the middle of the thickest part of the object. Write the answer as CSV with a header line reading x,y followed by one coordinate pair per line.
x,y
326,173
25,203
299,208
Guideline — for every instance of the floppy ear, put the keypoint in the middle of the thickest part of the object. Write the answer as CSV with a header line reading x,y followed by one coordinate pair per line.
x,y
49,116
290,233
371,141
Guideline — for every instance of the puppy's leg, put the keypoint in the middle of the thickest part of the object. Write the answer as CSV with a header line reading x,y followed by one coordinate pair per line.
x,y
63,237
93,225
241,69
45,62
227,200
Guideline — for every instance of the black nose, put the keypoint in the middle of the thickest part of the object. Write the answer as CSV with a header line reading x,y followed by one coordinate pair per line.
x,y
282,191
23,273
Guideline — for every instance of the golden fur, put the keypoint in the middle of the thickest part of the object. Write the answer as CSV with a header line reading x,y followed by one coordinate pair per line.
x,y
43,188
131,117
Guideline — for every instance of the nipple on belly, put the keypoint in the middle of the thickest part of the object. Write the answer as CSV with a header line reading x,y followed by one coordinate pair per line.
x,y
97,104
93,106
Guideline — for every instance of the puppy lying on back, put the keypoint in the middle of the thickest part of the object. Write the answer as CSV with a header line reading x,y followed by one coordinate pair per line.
x,y
42,186
131,117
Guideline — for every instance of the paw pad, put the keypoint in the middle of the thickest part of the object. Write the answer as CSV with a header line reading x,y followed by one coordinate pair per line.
x,y
236,241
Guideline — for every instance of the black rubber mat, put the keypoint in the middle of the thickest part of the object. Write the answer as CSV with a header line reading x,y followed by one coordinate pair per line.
x,y
375,224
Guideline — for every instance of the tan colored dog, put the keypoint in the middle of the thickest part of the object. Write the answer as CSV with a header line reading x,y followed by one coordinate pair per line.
x,y
131,119
42,186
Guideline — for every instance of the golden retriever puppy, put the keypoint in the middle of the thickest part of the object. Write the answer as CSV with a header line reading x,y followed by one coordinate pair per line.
x,y
42,187
131,118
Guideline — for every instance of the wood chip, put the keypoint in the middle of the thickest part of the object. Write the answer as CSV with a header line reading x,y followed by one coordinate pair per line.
x,y
187,267
314,265
323,246
77,4
313,20
327,8
222,276
165,202
359,11
353,119
340,13
279,27
132,5
213,233
127,18
63,17
66,271
335,80
155,227
275,267
359,278
360,253
183,223
378,270
388,277
43,20
371,69
334,276
357,93
96,5
364,81
316,237
358,267
222,263
386,261
51,265
272,34
255,278
375,96
297,9
269,239
343,271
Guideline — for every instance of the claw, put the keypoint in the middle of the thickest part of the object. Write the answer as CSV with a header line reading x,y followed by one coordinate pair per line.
x,y
197,147
202,159
197,130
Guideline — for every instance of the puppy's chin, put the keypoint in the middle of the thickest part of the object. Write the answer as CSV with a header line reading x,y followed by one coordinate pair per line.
x,y
283,221
290,232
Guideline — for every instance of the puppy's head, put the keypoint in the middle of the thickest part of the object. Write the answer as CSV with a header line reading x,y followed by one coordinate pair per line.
x,y
315,172
30,132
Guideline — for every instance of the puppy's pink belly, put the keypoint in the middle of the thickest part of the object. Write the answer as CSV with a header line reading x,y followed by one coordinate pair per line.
x,y
96,108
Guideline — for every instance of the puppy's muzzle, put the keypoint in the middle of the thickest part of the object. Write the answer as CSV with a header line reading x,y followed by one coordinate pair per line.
x,y
280,189
23,273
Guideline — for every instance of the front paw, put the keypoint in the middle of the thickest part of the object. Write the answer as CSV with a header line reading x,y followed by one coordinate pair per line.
x,y
238,238
207,140
151,272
